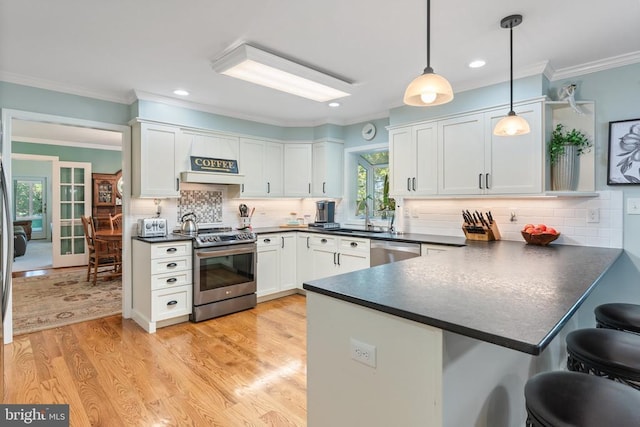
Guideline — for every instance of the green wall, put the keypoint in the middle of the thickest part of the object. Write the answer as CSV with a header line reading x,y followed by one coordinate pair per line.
x,y
102,161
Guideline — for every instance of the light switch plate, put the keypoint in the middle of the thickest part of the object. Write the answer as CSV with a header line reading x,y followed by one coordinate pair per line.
x,y
633,206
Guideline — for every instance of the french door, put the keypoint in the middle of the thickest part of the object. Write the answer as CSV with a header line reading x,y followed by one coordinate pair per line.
x,y
71,199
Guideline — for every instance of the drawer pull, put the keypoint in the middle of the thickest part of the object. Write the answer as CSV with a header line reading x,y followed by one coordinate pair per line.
x,y
172,302
323,240
267,240
172,265
172,280
354,244
171,250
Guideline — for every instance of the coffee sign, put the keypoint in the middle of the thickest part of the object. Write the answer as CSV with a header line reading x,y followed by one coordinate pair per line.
x,y
208,164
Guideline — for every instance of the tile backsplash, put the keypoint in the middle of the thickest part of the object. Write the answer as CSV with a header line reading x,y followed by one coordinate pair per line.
x,y
205,204
567,215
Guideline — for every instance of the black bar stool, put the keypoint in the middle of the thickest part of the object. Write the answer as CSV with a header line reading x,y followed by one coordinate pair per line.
x,y
621,316
563,399
606,353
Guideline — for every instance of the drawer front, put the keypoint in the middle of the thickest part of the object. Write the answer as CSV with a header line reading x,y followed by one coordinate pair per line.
x,y
159,266
169,280
171,249
354,245
268,240
324,241
170,303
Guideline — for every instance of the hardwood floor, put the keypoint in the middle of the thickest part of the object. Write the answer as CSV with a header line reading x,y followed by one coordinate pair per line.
x,y
244,369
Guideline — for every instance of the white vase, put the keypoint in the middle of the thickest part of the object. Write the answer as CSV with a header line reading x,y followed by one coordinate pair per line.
x,y
564,171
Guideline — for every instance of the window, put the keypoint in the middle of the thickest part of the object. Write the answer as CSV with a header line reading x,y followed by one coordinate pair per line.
x,y
28,200
372,184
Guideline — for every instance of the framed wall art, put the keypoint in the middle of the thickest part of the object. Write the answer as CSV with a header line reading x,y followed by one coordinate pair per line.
x,y
624,152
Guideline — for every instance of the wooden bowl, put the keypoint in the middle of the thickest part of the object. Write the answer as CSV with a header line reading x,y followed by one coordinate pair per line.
x,y
539,239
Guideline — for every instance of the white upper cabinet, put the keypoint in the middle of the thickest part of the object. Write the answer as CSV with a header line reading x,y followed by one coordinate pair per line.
x,y
328,166
261,164
413,157
155,156
474,161
297,170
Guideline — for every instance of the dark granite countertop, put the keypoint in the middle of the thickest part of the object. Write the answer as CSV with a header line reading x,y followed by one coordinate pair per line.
x,y
169,238
507,293
404,237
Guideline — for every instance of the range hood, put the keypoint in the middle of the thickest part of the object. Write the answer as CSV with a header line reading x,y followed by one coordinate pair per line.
x,y
211,178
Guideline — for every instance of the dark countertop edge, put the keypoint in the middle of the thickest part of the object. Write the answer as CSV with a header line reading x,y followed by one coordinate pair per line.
x,y
533,349
552,333
168,238
405,237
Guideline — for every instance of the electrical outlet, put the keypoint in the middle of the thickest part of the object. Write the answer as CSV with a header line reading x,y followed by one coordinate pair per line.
x,y
633,206
593,215
363,353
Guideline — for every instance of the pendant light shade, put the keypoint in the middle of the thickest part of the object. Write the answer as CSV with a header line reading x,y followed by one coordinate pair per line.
x,y
512,124
429,88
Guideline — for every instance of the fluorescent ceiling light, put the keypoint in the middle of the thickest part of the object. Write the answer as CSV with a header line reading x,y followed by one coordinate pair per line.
x,y
257,66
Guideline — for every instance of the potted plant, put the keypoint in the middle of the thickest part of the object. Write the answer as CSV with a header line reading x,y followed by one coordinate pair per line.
x,y
564,148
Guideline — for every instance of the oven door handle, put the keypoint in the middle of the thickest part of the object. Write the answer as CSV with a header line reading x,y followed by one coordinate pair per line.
x,y
212,253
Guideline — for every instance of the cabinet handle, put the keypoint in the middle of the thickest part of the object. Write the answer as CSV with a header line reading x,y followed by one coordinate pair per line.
x,y
324,188
177,184
242,188
334,258
323,240
309,188
171,250
172,265
308,243
172,280
414,183
338,258
268,187
282,242
267,240
172,302
408,184
486,181
480,181
354,244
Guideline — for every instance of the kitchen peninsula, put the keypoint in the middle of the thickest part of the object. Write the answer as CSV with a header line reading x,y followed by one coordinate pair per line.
x,y
446,340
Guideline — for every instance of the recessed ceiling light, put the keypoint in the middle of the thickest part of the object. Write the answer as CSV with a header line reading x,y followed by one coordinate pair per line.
x,y
181,92
477,63
334,104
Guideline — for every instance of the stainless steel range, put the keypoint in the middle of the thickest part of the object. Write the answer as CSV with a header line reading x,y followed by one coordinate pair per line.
x,y
224,272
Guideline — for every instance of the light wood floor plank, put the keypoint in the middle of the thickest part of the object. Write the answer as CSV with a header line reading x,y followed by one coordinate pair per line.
x,y
244,369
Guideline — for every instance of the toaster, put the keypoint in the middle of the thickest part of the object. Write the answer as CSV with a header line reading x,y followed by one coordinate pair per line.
x,y
152,227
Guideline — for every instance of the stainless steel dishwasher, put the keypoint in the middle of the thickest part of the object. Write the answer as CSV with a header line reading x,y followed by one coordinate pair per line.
x,y
384,252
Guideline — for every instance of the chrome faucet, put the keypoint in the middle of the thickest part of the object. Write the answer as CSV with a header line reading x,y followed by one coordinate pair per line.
x,y
367,221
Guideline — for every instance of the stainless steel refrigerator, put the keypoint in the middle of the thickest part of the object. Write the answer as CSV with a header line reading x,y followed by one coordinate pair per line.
x,y
6,243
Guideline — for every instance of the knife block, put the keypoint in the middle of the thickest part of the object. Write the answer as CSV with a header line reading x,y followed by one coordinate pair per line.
x,y
477,232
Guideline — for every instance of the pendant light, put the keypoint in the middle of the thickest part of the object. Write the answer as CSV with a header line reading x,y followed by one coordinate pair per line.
x,y
429,88
512,124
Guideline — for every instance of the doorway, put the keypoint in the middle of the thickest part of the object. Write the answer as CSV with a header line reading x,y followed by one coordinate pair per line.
x,y
11,117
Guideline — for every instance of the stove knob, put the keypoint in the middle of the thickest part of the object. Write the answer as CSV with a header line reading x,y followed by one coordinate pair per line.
x,y
216,238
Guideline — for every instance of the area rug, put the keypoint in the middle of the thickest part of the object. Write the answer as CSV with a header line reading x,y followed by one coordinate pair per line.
x,y
62,298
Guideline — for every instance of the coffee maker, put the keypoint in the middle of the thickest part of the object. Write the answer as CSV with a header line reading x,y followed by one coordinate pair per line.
x,y
325,214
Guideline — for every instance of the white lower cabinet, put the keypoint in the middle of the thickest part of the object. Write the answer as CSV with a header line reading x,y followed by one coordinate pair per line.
x,y
162,283
333,255
304,259
276,265
430,249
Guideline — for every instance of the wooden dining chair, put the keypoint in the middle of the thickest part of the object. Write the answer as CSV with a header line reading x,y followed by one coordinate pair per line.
x,y
115,221
105,257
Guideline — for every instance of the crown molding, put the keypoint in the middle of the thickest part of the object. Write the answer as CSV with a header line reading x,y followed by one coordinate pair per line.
x,y
61,87
595,66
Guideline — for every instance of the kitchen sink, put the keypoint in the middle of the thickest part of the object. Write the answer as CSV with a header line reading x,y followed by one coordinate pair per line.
x,y
357,230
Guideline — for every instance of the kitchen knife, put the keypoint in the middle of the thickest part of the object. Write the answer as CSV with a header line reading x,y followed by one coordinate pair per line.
x,y
490,217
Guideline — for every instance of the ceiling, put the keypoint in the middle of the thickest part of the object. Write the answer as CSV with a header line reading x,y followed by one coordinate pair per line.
x,y
120,49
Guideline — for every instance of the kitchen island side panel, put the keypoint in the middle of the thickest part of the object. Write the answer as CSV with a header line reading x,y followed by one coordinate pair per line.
x,y
403,389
